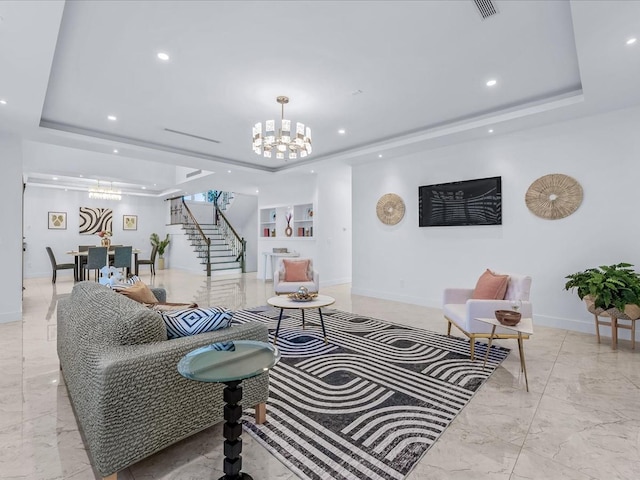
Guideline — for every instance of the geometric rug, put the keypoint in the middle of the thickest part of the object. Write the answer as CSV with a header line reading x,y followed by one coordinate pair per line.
x,y
370,402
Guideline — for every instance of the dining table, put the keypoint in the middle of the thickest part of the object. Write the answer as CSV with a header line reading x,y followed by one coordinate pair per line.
x,y
78,255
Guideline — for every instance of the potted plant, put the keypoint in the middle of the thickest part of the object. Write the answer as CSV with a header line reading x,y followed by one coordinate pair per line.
x,y
611,288
161,245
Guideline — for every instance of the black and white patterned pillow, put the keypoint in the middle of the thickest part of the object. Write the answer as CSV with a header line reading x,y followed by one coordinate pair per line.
x,y
192,321
133,279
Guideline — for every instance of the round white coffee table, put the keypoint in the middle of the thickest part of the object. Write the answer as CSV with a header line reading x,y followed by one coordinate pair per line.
x,y
284,302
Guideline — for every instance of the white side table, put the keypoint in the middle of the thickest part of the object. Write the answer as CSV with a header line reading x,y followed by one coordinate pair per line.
x,y
282,302
525,326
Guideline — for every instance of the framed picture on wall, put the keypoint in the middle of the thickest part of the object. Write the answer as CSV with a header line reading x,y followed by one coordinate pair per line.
x,y
130,222
57,220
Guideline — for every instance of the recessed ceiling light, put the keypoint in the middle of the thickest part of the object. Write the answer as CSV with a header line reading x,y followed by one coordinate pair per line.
x,y
163,56
491,83
380,156
228,171
257,191
491,130
155,184
313,171
144,188
55,178
631,41
342,131
113,118
3,101
81,176
115,150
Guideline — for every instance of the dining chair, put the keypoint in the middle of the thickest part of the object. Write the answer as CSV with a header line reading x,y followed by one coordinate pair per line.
x,y
59,266
96,259
151,261
112,248
122,258
82,259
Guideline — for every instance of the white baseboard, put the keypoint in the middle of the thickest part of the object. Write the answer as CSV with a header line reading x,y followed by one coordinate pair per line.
x,y
335,281
424,302
7,317
574,325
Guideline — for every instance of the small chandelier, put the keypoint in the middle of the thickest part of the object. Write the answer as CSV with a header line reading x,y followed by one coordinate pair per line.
x,y
103,193
281,141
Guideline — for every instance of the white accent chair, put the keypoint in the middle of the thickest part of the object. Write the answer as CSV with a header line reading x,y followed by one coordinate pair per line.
x,y
461,310
280,286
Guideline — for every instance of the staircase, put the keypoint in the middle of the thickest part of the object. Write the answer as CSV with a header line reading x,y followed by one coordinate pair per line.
x,y
223,259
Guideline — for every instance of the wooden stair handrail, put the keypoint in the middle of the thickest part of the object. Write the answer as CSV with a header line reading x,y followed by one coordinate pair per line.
x,y
206,239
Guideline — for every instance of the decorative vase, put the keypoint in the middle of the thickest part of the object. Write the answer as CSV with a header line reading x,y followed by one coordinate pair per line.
x,y
105,242
161,263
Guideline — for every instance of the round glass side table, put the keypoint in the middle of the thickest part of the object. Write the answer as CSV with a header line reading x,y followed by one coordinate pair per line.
x,y
230,363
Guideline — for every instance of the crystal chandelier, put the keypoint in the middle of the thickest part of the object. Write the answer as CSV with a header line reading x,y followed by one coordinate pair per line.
x,y
103,193
281,141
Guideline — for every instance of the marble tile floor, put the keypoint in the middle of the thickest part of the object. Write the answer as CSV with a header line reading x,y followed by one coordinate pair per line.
x,y
580,421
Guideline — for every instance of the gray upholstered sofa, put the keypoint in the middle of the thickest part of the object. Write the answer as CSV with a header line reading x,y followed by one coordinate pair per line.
x,y
120,371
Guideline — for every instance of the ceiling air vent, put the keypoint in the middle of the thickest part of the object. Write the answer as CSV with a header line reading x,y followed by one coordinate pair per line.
x,y
193,174
486,8
178,132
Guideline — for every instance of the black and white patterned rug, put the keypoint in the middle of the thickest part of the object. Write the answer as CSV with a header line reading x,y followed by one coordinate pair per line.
x,y
370,402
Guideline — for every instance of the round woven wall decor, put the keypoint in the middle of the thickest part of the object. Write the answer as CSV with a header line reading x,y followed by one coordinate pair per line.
x,y
554,196
390,209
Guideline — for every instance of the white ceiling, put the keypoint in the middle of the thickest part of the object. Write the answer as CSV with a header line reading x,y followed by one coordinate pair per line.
x,y
421,68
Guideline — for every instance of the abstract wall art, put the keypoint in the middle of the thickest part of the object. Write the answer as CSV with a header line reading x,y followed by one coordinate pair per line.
x,y
94,220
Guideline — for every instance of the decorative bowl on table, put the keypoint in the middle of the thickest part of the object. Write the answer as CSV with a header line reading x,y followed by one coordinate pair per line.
x,y
302,295
508,317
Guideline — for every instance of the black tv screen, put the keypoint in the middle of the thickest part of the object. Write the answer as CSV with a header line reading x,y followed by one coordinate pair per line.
x,y
472,202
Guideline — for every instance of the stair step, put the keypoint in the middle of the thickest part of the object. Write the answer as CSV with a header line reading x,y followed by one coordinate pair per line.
x,y
219,260
224,266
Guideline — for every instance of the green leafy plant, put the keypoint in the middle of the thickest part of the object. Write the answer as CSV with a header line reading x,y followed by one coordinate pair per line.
x,y
161,244
609,285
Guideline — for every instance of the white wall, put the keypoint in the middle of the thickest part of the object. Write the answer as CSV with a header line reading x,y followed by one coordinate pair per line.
x,y
11,231
38,201
332,225
412,264
243,215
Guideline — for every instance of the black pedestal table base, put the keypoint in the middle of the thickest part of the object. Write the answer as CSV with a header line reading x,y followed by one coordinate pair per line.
x,y
232,430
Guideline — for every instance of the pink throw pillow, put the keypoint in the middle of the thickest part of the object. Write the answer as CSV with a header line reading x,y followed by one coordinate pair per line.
x,y
491,286
296,270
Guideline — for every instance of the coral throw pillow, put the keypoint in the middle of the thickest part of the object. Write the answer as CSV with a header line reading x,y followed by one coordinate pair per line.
x,y
296,270
140,293
491,286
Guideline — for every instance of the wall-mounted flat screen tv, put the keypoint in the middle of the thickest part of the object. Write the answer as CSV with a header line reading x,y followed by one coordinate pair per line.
x,y
471,202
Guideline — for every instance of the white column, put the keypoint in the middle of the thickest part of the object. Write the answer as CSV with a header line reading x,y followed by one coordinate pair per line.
x,y
11,229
